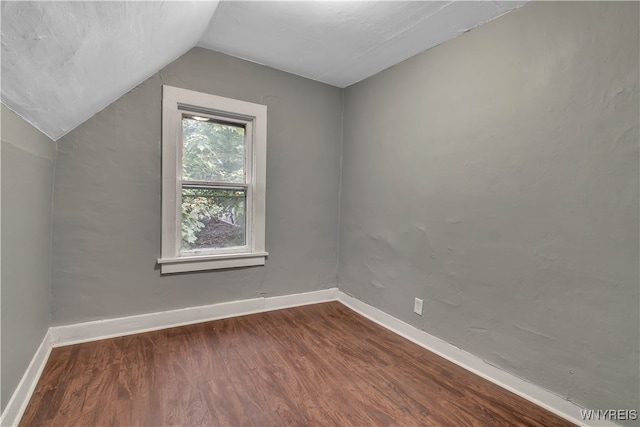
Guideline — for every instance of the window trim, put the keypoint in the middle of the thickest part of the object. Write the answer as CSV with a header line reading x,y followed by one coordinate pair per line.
x,y
175,101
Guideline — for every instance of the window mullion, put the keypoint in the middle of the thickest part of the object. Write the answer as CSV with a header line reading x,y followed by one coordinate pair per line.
x,y
213,185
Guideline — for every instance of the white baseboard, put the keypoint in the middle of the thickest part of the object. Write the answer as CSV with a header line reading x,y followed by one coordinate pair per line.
x,y
533,393
109,328
18,403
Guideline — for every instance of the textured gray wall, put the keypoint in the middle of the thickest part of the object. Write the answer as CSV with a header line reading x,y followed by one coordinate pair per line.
x,y
28,158
107,196
496,177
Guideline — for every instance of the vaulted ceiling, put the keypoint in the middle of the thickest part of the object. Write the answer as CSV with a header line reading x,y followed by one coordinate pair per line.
x,y
62,62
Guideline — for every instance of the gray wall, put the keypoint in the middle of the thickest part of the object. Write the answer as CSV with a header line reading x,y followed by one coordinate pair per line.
x,y
107,196
496,177
28,158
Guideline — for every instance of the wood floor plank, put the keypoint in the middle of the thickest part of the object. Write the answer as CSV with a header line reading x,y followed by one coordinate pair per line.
x,y
315,365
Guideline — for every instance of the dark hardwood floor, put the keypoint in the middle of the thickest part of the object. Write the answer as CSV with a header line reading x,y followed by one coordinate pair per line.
x,y
309,366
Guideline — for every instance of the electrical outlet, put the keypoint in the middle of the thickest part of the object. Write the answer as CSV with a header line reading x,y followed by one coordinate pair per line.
x,y
417,306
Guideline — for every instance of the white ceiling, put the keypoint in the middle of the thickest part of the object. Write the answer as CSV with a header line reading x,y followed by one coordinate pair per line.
x,y
62,62
341,42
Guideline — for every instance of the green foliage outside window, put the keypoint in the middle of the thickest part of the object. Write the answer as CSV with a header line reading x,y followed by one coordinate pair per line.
x,y
212,152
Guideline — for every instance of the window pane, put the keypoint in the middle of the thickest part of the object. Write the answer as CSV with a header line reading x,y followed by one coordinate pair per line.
x,y
213,218
212,151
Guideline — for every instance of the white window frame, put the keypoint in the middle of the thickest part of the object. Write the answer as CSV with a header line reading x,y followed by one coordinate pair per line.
x,y
175,102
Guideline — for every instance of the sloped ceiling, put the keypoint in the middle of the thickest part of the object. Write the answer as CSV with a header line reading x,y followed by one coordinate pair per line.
x,y
62,62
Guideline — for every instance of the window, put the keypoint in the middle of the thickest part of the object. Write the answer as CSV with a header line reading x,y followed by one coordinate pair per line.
x,y
213,182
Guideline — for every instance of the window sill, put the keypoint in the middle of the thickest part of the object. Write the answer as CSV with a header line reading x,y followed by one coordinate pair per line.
x,y
211,262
